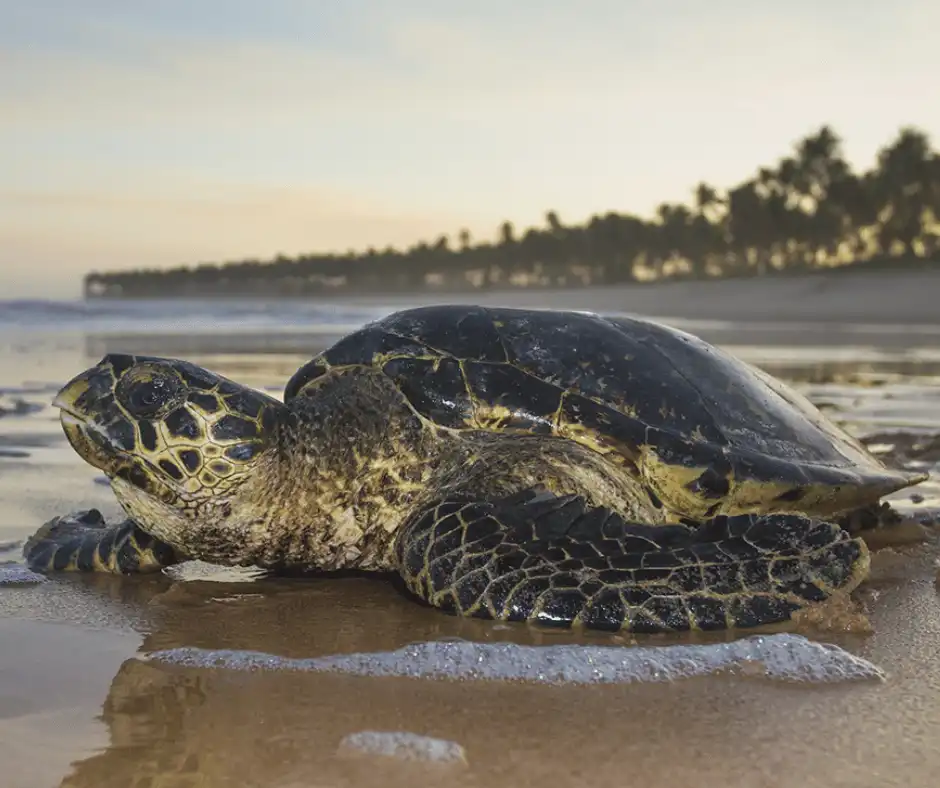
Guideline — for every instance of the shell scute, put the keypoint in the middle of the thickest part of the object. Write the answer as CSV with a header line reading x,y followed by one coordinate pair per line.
x,y
507,397
462,332
435,388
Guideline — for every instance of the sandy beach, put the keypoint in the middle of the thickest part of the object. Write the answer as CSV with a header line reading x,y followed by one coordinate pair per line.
x,y
840,297
85,699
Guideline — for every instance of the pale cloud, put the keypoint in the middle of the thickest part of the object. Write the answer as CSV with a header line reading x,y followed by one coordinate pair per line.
x,y
297,126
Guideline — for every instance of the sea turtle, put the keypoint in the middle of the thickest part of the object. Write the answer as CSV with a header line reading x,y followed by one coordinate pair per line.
x,y
550,466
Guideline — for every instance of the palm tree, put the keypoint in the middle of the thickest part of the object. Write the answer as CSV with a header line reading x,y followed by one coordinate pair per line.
x,y
507,234
819,159
905,190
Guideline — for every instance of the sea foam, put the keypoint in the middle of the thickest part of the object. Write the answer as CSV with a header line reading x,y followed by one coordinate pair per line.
x,y
18,575
403,746
782,657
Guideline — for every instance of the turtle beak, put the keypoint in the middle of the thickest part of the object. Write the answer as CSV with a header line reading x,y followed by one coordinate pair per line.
x,y
88,441
86,403
89,396
71,394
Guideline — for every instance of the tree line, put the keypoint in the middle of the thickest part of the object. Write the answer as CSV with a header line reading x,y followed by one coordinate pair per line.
x,y
808,211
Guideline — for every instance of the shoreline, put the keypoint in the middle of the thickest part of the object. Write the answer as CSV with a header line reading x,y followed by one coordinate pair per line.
x,y
866,343
893,342
836,315
903,297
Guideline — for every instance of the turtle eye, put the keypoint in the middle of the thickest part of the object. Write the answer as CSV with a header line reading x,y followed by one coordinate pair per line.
x,y
147,392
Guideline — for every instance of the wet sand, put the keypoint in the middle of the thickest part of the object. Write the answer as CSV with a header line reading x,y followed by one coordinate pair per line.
x,y
82,704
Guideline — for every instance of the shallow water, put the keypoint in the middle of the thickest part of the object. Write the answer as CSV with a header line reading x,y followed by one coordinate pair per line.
x,y
89,697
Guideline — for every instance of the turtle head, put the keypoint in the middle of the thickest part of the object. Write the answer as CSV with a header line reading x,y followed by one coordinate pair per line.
x,y
174,439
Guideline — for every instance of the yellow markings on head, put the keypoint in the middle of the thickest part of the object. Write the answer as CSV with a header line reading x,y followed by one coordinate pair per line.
x,y
68,397
174,448
206,441
192,485
221,468
208,479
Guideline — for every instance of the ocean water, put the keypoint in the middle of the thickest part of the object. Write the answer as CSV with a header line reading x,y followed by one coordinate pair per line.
x,y
56,324
243,315
166,316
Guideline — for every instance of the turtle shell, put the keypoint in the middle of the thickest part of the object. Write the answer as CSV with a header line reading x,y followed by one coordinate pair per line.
x,y
707,432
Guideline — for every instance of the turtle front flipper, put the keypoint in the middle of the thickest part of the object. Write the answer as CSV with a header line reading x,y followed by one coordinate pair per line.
x,y
555,561
83,542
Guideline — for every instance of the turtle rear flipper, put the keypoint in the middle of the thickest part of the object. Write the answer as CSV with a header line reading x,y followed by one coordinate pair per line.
x,y
557,561
83,542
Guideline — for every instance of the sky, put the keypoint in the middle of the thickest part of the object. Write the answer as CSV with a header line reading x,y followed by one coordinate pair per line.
x,y
140,134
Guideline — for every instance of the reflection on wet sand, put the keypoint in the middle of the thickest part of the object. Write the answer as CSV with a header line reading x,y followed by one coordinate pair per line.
x,y
175,726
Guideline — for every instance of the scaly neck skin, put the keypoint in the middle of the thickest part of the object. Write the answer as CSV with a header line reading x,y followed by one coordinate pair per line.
x,y
347,463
